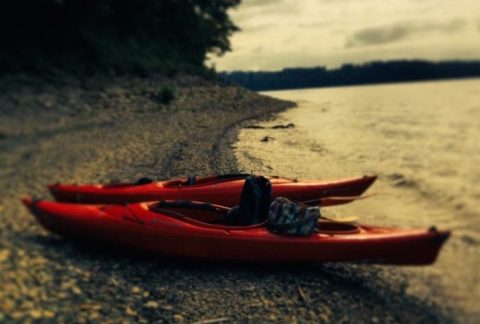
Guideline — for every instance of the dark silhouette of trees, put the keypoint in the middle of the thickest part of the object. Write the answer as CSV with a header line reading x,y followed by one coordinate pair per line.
x,y
350,74
122,35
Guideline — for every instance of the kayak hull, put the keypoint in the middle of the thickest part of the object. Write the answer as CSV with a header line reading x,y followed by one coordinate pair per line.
x,y
137,226
212,189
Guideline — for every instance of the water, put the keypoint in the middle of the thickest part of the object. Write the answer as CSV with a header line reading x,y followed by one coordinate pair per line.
x,y
422,139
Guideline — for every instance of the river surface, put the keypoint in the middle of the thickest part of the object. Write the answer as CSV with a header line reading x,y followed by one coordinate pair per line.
x,y
422,139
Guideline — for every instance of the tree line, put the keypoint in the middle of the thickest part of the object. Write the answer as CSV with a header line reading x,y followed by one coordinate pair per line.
x,y
122,35
354,74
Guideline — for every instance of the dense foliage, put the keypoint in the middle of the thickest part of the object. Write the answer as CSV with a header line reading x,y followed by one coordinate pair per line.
x,y
115,34
349,74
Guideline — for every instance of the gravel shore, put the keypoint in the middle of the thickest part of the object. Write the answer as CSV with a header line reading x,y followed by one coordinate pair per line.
x,y
100,129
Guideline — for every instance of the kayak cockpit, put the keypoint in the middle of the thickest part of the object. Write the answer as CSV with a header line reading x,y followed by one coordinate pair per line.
x,y
197,213
215,216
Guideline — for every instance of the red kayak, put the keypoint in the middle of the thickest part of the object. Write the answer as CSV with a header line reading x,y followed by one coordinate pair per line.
x,y
223,190
196,231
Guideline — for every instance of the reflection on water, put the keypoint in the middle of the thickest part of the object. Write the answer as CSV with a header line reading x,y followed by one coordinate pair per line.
x,y
422,139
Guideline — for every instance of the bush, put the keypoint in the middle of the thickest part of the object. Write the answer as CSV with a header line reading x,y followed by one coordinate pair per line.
x,y
167,93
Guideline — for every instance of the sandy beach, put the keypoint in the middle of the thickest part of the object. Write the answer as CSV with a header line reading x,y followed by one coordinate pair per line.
x,y
102,129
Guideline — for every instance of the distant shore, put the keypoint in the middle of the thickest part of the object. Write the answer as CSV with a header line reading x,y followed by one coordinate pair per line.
x,y
376,72
102,129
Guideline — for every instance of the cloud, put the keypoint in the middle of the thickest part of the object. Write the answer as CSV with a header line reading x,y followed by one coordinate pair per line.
x,y
254,28
258,3
449,27
257,49
378,35
314,25
250,11
399,31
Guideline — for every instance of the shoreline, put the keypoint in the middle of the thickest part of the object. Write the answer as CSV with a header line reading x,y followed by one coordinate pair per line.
x,y
99,130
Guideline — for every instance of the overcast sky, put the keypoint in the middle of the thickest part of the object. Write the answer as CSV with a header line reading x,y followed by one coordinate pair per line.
x,y
292,33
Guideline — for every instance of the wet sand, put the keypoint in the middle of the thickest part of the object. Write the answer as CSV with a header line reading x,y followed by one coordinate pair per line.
x,y
101,129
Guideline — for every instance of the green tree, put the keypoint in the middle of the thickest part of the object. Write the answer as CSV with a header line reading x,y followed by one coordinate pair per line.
x,y
119,34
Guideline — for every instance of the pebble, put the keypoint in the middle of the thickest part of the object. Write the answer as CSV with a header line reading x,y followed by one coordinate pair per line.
x,y
76,290
94,316
4,254
178,318
135,289
130,311
35,314
48,314
167,307
91,307
151,304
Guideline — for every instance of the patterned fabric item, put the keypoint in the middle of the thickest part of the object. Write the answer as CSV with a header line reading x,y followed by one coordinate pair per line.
x,y
287,217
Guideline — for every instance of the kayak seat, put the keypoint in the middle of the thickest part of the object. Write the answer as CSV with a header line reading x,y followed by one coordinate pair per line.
x,y
254,204
232,216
